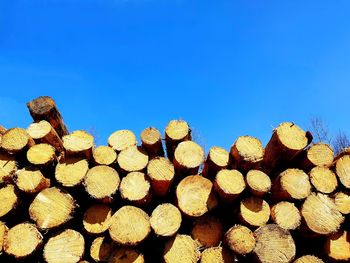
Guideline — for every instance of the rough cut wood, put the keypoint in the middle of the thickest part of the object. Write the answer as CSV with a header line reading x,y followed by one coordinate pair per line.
x,y
161,173
97,219
175,132
342,202
165,220
67,246
216,255
254,211
129,232
71,171
42,155
337,246
16,140
292,184
152,142
181,248
188,157
321,214
30,180
240,240
44,108
343,170
8,167
208,231
308,259
318,154
247,153
136,188
229,184
323,179
274,245
9,199
218,158
126,255
43,132
104,155
79,143
194,196
100,249
22,240
3,231
345,151
51,208
286,215
258,182
121,140
287,141
101,182
132,159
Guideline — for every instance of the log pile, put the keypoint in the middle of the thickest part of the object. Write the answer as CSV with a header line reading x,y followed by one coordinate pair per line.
x,y
64,200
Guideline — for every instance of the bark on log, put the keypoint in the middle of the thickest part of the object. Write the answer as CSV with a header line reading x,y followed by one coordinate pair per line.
x,y
208,231
181,248
161,173
16,140
188,157
240,239
165,220
152,142
175,132
136,188
218,158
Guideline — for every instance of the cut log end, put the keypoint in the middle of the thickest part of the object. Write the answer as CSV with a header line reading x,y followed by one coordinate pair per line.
x,y
188,157
175,132
254,211
126,255
319,154
97,219
22,240
135,188
181,248
229,184
337,246
161,173
67,246
71,171
208,231
51,208
132,159
240,240
16,140
165,220
8,167
79,143
343,170
152,142
30,180
286,215
292,136
323,179
129,232
3,231
216,255
10,199
342,202
258,182
308,259
218,158
121,140
104,155
42,154
100,249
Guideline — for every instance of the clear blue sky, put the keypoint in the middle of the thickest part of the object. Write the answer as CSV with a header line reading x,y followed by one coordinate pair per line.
x,y
229,68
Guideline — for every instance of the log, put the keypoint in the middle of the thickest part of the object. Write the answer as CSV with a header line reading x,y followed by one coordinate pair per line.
x,y
8,167
101,182
125,255
254,211
247,153
161,173
30,180
129,232
121,140
218,158
342,202
41,155
194,196
165,220
181,248
2,130
258,182
16,140
68,246
51,208
79,143
216,255
229,184
342,169
308,259
337,246
240,239
345,151
135,188
132,159
188,157
291,184
97,218
152,142
43,132
3,231
71,171
323,179
208,231
22,240
286,215
287,141
100,249
318,154
44,108
104,155
321,214
175,132
9,198
273,245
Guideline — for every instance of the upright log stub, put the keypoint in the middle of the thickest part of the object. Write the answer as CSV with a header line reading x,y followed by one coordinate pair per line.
x,y
287,141
175,132
274,245
181,248
44,108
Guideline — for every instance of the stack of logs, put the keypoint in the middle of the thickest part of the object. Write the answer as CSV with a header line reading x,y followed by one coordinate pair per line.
x,y
63,200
